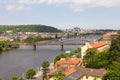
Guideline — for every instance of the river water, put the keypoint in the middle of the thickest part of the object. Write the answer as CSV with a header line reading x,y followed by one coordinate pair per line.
x,y
16,62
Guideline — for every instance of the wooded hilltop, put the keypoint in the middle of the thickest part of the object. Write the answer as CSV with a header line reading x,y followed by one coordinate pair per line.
x,y
28,28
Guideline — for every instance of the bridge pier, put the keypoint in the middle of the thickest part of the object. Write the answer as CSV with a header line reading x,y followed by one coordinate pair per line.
x,y
62,46
34,46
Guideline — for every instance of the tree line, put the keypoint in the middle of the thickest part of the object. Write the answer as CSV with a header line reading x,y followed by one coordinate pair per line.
x,y
28,28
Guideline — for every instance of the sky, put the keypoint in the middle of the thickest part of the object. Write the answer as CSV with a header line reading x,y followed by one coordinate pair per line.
x,y
62,14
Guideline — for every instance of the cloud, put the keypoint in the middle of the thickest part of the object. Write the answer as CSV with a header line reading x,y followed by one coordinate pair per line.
x,y
16,8
76,5
10,7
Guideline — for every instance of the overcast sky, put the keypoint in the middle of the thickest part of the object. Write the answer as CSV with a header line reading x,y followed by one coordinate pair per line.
x,y
91,14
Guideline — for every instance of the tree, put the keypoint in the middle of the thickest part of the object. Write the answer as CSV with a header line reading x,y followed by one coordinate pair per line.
x,y
114,72
58,57
0,78
114,60
99,60
3,45
30,73
91,51
45,66
20,79
14,78
77,50
31,40
59,75
115,50
112,75
56,36
89,57
28,28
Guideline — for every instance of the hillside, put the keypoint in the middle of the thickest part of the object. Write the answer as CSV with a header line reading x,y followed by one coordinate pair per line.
x,y
28,28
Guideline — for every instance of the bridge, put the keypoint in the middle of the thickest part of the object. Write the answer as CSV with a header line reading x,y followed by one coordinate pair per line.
x,y
70,41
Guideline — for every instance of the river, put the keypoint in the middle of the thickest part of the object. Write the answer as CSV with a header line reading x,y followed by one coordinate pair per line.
x,y
16,62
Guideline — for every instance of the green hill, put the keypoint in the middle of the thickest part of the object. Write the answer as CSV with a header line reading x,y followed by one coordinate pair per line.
x,y
28,28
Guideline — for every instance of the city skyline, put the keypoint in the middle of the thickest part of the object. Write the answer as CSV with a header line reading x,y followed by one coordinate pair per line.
x,y
62,14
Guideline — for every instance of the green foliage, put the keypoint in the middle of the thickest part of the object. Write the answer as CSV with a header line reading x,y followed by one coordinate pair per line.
x,y
20,79
115,50
59,75
95,78
77,50
114,72
91,51
114,60
70,54
0,78
36,39
28,28
115,66
58,57
78,56
112,75
45,64
15,45
30,73
30,40
97,60
14,78
4,45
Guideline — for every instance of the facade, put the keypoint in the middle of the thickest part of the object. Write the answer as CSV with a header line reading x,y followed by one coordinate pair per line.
x,y
100,46
89,78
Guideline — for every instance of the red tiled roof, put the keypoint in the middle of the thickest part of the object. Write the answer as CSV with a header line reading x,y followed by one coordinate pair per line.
x,y
110,34
98,44
67,61
69,71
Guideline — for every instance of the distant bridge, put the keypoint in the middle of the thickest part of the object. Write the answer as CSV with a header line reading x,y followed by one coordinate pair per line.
x,y
69,42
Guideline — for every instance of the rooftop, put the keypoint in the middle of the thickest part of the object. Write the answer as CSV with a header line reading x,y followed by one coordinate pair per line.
x,y
98,44
81,71
109,34
67,61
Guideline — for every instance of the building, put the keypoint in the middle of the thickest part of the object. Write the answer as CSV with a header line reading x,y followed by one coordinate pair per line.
x,y
100,46
82,73
110,35
69,62
2,39
66,65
